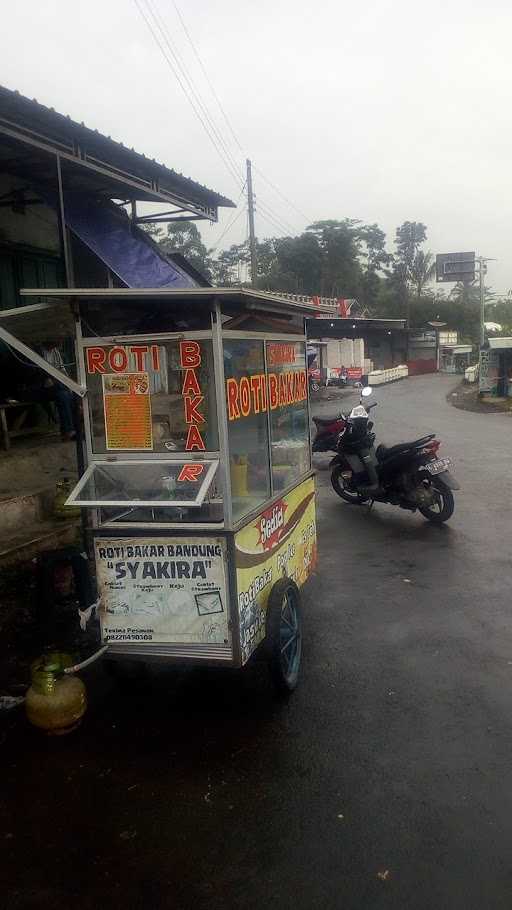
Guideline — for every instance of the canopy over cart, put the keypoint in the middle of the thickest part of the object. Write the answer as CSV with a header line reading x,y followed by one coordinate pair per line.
x,y
198,483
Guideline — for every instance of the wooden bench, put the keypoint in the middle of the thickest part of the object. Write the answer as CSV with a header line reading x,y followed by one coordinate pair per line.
x,y
18,427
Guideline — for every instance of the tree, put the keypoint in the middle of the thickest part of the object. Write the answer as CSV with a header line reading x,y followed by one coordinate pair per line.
x,y
341,270
298,265
154,230
408,237
373,256
184,237
226,268
500,311
421,271
408,267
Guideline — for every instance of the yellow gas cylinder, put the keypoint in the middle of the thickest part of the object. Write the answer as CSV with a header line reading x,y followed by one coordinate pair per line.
x,y
55,702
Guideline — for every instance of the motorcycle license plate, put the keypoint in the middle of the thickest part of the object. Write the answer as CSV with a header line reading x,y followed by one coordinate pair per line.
x,y
437,467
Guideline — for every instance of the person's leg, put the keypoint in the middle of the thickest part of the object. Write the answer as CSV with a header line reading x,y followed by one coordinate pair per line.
x,y
63,403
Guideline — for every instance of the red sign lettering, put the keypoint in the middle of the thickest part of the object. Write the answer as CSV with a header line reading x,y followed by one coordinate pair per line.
x,y
116,359
245,396
281,353
192,415
232,390
191,472
190,354
96,360
273,396
138,350
253,394
190,383
271,524
194,439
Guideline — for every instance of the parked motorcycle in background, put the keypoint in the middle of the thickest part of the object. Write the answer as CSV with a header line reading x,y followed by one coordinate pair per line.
x,y
409,475
328,430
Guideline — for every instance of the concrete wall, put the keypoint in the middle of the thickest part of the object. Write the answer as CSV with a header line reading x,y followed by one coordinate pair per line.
x,y
347,352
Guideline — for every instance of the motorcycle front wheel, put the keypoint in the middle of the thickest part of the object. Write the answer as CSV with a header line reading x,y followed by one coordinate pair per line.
x,y
339,486
443,503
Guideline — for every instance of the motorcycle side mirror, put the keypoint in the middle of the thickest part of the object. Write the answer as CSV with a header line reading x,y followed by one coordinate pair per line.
x,y
366,392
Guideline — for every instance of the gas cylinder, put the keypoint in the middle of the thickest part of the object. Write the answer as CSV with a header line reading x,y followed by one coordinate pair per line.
x,y
55,702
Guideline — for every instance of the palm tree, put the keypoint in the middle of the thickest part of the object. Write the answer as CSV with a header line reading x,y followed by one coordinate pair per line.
x,y
421,271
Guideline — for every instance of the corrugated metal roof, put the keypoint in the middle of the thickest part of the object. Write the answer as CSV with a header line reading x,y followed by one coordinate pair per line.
x,y
500,343
240,295
16,107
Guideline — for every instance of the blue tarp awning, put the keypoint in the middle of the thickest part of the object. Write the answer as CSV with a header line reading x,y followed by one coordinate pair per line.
x,y
127,253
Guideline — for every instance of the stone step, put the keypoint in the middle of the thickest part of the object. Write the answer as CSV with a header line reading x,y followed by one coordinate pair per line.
x,y
24,466
34,537
25,507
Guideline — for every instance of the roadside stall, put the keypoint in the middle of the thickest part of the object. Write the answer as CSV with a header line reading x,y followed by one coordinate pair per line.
x,y
197,484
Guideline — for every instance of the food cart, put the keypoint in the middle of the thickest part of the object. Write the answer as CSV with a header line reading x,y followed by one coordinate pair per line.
x,y
198,484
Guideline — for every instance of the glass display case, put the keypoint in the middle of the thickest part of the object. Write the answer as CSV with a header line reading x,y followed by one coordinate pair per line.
x,y
157,407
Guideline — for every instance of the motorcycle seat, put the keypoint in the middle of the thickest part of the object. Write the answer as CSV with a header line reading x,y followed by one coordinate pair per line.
x,y
384,452
324,421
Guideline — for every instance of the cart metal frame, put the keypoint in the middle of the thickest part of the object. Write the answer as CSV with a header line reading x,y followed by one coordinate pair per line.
x,y
234,653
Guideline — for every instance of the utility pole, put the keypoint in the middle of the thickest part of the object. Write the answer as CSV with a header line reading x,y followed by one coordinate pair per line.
x,y
481,262
252,234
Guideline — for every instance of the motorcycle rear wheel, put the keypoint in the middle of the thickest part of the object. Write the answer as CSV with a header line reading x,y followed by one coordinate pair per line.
x,y
338,485
443,507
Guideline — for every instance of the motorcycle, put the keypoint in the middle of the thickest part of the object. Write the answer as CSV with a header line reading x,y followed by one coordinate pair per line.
x,y
338,381
409,475
328,430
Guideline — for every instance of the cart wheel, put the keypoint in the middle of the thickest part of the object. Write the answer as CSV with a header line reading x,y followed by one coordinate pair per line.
x,y
284,634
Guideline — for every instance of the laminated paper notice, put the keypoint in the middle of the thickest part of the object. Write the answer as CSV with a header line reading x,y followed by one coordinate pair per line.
x,y
127,407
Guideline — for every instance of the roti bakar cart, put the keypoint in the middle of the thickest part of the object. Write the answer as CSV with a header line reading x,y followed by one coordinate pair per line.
x,y
198,479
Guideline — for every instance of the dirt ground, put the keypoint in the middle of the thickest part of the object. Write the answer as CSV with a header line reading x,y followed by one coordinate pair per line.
x,y
466,397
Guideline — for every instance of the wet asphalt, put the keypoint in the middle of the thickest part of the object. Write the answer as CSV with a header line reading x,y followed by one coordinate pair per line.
x,y
385,781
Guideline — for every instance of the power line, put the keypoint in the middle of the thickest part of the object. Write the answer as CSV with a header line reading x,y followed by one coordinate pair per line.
x,y
153,19
212,88
282,224
228,122
170,64
233,220
273,223
157,16
226,229
282,195
225,152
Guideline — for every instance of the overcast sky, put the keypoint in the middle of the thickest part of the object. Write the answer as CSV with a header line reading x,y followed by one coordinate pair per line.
x,y
385,111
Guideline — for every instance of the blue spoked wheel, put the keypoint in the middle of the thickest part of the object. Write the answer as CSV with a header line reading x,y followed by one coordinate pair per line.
x,y
284,634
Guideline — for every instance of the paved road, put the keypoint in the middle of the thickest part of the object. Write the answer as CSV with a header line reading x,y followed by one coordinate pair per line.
x,y
384,782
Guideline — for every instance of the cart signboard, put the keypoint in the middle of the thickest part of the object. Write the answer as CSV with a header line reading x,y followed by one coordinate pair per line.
x,y
279,542
162,590
127,409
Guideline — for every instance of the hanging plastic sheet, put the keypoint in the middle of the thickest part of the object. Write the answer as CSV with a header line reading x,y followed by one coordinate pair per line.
x,y
108,233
